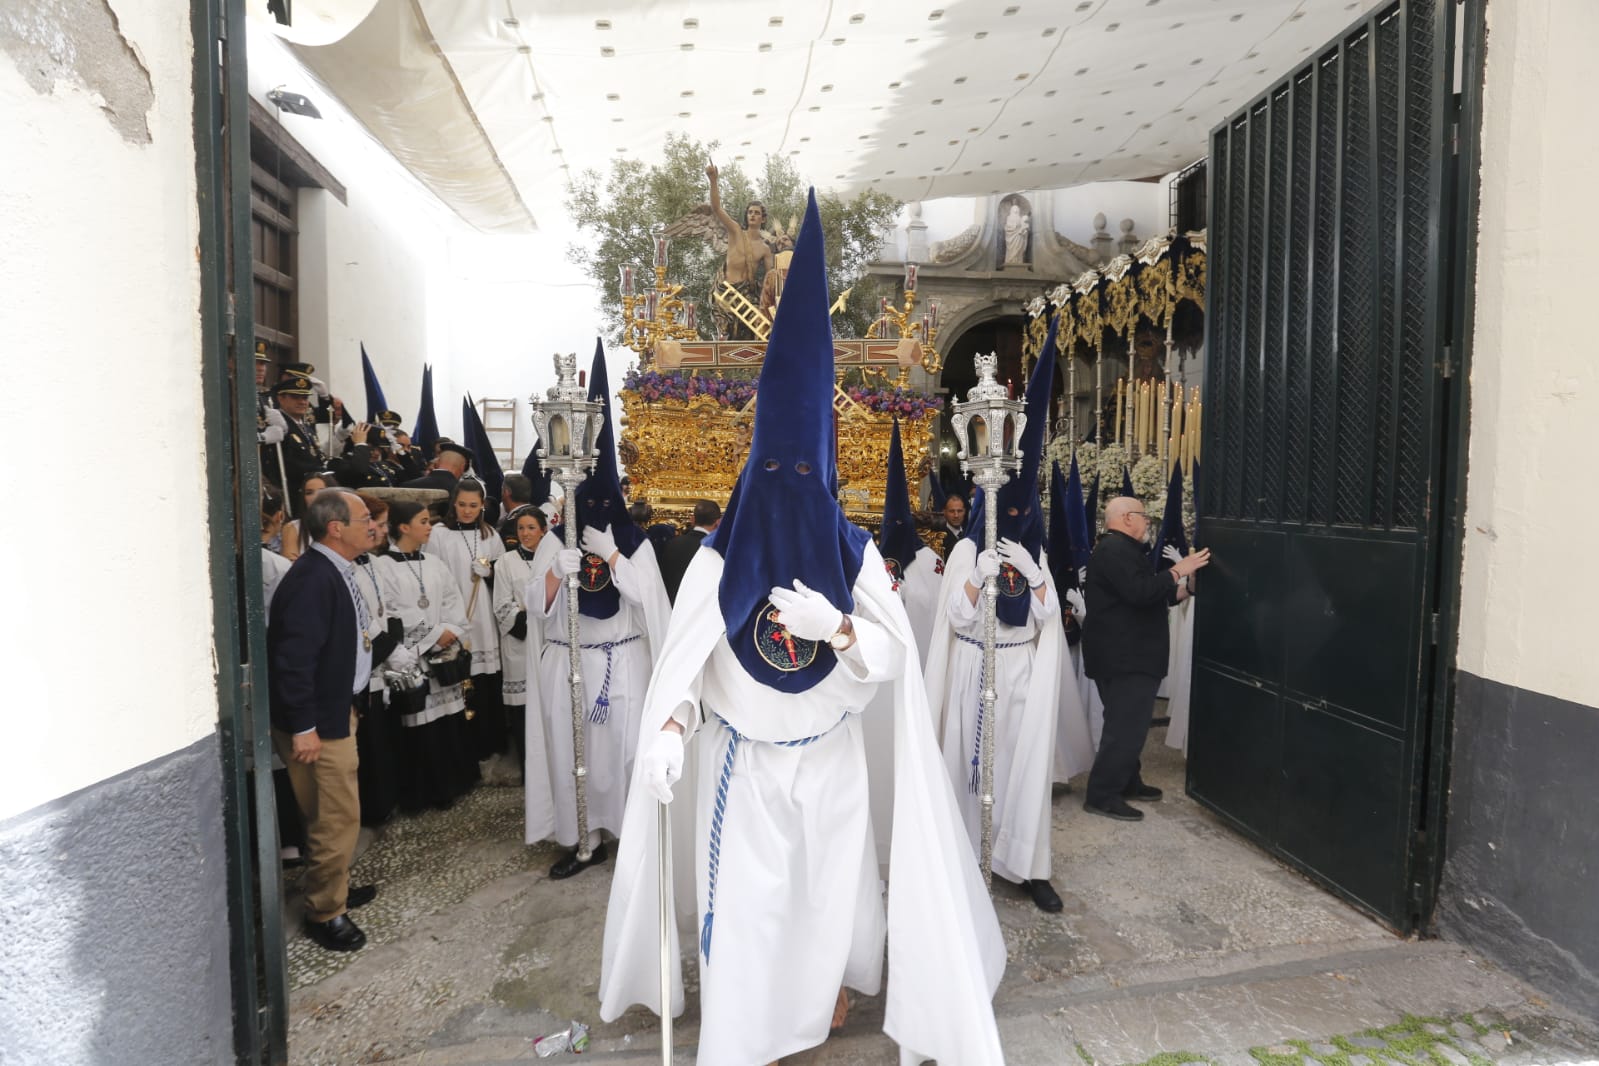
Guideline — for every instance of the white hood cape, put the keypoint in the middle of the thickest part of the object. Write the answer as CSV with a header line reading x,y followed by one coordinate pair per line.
x,y
1043,691
946,954
538,802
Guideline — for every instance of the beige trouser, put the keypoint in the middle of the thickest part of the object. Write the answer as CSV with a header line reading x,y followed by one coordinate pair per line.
x,y
330,801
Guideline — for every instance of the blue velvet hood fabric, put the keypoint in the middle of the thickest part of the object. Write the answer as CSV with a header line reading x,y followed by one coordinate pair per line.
x,y
897,539
783,521
1020,493
600,502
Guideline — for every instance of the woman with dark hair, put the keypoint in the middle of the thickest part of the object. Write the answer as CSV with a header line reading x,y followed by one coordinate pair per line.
x,y
468,547
515,569
434,765
293,543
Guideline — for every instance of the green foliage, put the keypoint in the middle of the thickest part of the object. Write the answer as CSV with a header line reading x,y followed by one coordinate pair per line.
x,y
617,212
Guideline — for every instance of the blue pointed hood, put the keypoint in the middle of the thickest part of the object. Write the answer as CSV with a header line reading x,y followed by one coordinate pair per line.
x,y
1020,493
1026,527
374,391
1127,483
1060,532
1091,508
782,521
425,434
897,539
1171,521
534,471
484,461
600,503
1078,523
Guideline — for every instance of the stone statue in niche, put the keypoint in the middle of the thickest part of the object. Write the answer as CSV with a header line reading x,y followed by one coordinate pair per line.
x,y
1016,232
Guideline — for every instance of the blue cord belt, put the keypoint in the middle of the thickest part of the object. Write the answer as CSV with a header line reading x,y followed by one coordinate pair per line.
x,y
602,703
982,683
734,736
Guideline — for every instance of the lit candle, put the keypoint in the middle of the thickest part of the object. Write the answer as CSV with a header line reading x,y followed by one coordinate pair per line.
x,y
660,251
688,315
1118,435
927,326
910,277
650,299
627,280
932,309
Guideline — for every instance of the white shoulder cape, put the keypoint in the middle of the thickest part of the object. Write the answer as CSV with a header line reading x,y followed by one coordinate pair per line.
x,y
945,951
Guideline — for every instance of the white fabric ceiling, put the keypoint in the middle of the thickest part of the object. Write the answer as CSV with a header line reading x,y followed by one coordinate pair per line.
x,y
493,103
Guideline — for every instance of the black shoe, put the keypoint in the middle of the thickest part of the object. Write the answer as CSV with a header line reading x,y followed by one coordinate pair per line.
x,y
1118,809
1143,793
1044,896
360,896
340,934
573,865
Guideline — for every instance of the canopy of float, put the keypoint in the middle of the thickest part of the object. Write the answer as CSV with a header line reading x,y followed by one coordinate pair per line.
x,y
494,104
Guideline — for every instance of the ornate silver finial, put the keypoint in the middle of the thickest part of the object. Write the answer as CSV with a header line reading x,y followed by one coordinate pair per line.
x,y
988,386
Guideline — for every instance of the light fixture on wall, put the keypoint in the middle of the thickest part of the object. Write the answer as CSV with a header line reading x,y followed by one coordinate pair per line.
x,y
294,103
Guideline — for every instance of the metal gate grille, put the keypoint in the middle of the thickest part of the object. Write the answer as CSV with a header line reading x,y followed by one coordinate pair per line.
x,y
1313,645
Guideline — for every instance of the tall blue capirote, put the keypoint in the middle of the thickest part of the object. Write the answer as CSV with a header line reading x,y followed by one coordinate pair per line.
x,y
1171,521
782,522
1060,532
897,538
374,392
426,432
484,461
600,502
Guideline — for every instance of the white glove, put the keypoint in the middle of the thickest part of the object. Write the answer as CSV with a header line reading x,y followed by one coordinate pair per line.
x,y
567,561
806,614
599,542
276,427
1018,557
1173,553
663,764
482,569
987,565
1082,576
400,659
1079,607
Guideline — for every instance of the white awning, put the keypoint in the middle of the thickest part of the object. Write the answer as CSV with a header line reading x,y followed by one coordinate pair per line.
x,y
493,105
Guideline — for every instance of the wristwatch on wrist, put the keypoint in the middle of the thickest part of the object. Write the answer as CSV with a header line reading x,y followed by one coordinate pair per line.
x,y
845,636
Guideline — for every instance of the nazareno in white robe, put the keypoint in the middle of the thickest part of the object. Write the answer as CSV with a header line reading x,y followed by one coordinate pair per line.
x,y
460,551
1028,687
550,790
1180,673
511,576
798,910
918,590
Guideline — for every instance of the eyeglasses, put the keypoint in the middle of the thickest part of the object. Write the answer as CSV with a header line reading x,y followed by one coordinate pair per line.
x,y
1141,514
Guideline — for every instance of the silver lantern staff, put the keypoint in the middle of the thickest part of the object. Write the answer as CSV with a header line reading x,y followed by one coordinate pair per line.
x,y
568,427
988,425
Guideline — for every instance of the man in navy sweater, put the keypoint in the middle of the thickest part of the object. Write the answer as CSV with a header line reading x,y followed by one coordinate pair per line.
x,y
318,663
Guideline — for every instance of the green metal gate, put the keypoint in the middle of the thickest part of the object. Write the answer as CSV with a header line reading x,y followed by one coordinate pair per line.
x,y
1325,453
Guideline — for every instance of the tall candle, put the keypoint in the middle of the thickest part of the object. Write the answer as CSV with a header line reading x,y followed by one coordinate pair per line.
x,y
1118,435
910,277
627,280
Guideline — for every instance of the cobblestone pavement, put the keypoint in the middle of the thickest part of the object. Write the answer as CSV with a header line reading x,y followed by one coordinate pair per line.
x,y
1179,943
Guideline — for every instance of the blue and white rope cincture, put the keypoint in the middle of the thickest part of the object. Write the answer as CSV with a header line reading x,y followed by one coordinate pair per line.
x,y
715,858
602,703
982,683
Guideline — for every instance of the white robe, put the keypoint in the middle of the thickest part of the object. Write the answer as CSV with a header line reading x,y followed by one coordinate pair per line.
x,y
273,567
403,583
461,551
919,590
550,790
798,911
1180,673
1028,688
511,576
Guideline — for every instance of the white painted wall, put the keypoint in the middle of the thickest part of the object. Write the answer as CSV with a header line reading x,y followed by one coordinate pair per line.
x,y
103,561
1527,617
373,269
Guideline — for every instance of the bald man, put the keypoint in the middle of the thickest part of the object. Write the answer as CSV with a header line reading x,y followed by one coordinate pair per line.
x,y
1125,651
